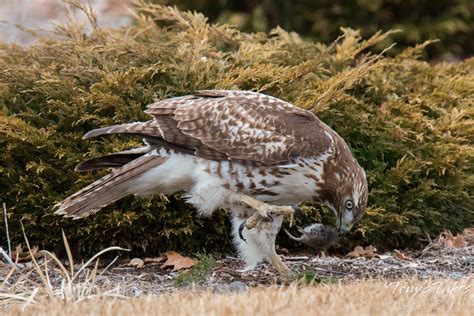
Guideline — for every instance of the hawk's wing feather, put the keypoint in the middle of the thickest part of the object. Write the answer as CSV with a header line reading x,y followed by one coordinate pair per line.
x,y
241,125
232,125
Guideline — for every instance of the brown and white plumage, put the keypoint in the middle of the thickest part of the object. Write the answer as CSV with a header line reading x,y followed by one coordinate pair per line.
x,y
216,145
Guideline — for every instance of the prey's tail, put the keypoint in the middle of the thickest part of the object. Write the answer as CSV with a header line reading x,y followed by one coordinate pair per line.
x,y
110,188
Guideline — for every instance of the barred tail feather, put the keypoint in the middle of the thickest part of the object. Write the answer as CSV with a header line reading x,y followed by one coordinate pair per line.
x,y
108,189
148,128
108,161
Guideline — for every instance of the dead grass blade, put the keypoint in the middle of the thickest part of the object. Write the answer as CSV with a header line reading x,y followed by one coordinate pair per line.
x,y
100,253
26,290
69,253
36,265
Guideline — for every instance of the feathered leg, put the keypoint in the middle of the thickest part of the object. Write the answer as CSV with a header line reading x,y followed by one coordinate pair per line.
x,y
248,249
255,236
265,235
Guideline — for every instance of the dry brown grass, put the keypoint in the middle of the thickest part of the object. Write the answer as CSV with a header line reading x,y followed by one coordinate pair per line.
x,y
49,287
378,297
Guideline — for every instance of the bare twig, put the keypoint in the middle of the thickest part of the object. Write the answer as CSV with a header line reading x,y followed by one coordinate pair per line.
x,y
6,229
7,257
300,258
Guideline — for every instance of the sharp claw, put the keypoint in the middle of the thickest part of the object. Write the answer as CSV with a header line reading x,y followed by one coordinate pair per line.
x,y
270,218
241,229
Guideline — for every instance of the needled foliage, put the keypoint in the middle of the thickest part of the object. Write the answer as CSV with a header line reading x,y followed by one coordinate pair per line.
x,y
450,21
408,123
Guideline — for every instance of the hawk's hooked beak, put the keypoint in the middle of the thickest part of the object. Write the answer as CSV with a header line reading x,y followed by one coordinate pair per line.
x,y
344,228
344,222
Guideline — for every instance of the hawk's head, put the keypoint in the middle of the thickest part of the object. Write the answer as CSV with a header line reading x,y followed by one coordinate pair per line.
x,y
346,193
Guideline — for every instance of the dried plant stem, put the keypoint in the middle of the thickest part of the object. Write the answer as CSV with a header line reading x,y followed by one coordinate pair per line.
x,y
7,257
6,229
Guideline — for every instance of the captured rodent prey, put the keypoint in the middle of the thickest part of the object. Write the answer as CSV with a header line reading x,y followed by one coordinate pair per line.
x,y
317,236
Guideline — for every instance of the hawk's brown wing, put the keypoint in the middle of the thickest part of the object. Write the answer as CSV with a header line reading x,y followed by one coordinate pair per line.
x,y
233,125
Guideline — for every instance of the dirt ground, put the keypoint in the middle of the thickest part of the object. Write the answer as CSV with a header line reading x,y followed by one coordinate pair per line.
x,y
436,280
223,276
450,263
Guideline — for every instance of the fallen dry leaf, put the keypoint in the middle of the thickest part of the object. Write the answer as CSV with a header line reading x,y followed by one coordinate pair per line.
x,y
154,260
23,254
177,261
455,241
469,231
468,234
400,255
383,257
358,250
136,262
450,241
367,252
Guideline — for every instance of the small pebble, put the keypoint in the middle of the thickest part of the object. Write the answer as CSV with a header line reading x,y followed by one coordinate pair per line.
x,y
237,286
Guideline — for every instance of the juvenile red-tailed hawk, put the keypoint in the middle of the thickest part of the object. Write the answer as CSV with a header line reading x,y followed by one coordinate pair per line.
x,y
236,150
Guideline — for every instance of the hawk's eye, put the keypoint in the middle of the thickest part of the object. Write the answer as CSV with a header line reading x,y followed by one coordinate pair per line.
x,y
349,204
